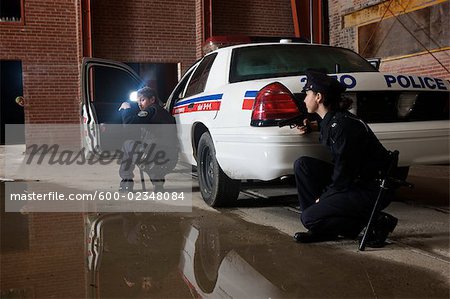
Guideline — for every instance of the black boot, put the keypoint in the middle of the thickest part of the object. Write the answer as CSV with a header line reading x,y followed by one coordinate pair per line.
x,y
126,185
384,225
309,237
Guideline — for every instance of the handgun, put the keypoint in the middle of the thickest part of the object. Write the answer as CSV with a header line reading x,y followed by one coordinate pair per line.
x,y
293,121
297,120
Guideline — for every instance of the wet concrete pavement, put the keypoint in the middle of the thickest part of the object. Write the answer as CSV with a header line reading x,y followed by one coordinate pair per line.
x,y
242,252
204,254
213,256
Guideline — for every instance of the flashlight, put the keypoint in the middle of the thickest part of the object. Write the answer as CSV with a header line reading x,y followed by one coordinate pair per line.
x,y
133,96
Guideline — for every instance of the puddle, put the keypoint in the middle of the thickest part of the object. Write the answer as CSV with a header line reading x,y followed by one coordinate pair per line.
x,y
184,255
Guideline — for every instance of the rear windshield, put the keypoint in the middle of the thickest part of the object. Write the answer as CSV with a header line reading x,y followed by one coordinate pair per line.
x,y
260,62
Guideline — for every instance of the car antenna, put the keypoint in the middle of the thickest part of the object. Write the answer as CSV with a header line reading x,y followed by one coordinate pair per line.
x,y
337,68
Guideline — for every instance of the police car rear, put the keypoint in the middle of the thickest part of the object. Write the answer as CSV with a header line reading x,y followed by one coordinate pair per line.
x,y
408,113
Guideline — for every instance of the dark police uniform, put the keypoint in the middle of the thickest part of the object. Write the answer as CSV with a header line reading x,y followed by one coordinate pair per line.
x,y
154,114
164,140
347,189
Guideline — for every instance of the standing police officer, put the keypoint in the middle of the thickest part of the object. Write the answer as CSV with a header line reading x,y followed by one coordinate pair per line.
x,y
337,199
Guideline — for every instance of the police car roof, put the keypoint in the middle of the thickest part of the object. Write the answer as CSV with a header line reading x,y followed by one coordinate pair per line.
x,y
281,44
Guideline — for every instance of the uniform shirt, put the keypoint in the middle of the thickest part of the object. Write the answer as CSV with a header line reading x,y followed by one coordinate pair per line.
x,y
165,136
154,114
357,153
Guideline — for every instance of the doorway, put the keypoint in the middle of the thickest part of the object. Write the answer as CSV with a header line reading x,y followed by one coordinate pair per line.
x,y
160,76
11,86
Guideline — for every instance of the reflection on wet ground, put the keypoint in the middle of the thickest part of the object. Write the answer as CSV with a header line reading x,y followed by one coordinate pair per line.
x,y
42,254
198,254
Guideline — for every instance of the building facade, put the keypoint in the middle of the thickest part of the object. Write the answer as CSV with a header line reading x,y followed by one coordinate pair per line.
x,y
48,38
410,36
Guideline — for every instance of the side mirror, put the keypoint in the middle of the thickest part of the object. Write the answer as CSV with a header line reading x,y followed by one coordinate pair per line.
x,y
375,62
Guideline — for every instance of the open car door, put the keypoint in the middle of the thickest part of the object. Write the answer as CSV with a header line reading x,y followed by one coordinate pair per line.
x,y
105,85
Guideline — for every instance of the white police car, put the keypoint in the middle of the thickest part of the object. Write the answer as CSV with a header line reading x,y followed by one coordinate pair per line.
x,y
231,101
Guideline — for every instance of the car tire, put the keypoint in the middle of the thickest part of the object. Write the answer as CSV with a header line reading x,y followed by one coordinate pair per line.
x,y
207,258
217,189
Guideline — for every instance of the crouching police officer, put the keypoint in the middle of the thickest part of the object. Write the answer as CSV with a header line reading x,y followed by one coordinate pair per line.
x,y
337,199
149,112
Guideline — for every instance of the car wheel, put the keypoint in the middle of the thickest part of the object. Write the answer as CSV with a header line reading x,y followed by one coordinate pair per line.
x,y
216,187
207,259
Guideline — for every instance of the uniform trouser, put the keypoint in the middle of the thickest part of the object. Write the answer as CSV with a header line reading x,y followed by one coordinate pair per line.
x,y
341,213
133,152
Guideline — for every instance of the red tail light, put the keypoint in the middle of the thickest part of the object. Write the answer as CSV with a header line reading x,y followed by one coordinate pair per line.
x,y
273,103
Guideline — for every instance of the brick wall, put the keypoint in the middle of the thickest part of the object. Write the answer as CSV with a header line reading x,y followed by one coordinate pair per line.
x,y
420,64
340,36
252,18
423,64
172,31
145,31
54,264
48,44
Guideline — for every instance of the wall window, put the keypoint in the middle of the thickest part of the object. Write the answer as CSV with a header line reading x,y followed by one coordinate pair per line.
x,y
402,29
11,11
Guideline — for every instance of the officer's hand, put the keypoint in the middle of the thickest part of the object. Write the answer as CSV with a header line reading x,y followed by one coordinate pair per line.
x,y
306,128
125,105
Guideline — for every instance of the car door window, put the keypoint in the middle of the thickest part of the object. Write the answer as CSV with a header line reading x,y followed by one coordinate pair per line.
x,y
110,86
198,81
178,93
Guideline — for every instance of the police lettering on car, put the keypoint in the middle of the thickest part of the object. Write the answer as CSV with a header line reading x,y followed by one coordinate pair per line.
x,y
418,82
